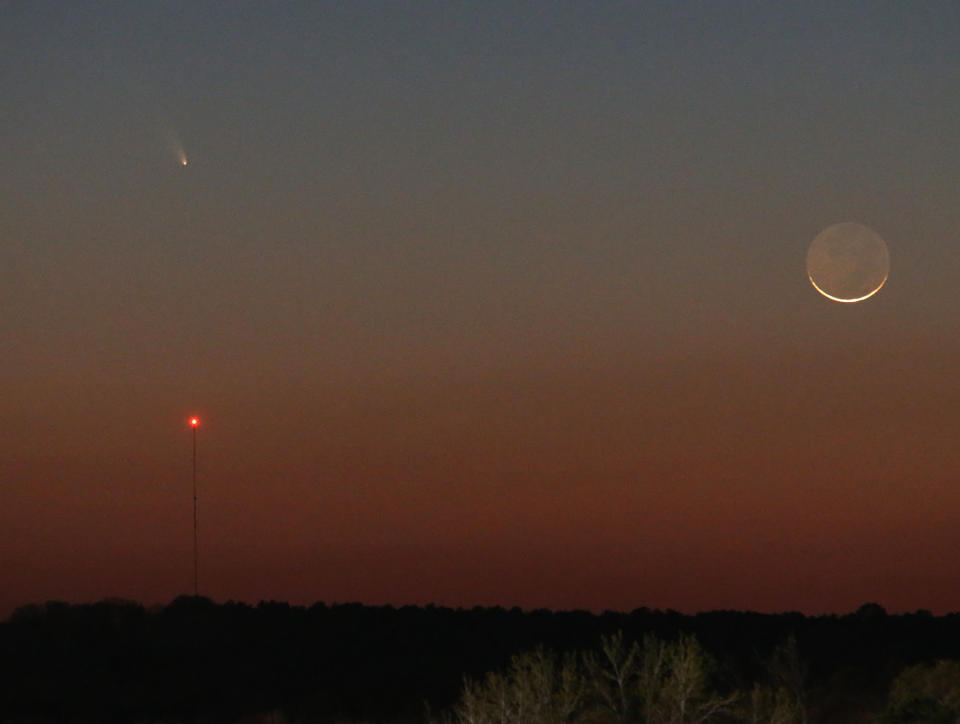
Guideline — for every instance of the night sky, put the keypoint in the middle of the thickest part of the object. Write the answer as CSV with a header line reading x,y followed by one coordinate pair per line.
x,y
480,303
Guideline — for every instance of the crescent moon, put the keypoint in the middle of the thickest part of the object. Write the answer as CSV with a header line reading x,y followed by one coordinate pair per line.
x,y
848,263
848,301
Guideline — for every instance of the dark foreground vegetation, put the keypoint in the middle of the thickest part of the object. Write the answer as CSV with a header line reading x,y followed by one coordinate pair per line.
x,y
196,661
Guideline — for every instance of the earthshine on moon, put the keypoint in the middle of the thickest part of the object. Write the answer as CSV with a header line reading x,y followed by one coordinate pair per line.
x,y
848,262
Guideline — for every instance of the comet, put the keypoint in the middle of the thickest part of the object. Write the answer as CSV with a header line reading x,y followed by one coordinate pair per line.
x,y
176,146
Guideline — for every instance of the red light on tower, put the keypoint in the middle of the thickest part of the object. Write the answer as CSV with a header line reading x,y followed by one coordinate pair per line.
x,y
194,421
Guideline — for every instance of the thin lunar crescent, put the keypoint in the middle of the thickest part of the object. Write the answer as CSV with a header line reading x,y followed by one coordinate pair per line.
x,y
848,262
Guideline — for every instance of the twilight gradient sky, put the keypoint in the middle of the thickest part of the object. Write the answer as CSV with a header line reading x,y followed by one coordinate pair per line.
x,y
497,303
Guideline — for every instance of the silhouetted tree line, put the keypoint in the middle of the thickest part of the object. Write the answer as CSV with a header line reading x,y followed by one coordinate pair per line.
x,y
197,661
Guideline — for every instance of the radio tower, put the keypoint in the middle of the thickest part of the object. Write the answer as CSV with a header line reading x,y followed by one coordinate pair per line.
x,y
194,424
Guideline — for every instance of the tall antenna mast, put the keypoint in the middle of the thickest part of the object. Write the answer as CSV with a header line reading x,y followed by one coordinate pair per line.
x,y
194,424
